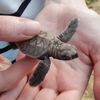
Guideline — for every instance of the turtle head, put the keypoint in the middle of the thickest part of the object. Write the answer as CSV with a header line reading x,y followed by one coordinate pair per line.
x,y
67,52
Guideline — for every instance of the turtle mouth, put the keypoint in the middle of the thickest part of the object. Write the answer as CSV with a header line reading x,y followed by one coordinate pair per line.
x,y
75,56
70,57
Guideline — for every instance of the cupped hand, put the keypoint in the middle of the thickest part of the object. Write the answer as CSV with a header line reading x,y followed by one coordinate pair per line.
x,y
67,80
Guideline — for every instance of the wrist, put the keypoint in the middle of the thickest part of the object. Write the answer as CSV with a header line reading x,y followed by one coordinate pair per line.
x,y
89,22
89,17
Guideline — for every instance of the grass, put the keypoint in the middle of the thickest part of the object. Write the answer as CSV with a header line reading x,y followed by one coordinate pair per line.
x,y
90,1
95,6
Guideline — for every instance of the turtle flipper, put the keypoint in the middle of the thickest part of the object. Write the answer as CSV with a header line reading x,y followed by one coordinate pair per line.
x,y
40,72
68,33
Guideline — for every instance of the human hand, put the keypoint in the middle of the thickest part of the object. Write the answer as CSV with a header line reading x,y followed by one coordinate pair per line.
x,y
68,80
14,29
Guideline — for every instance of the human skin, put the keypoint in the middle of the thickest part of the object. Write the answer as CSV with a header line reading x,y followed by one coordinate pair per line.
x,y
14,29
67,80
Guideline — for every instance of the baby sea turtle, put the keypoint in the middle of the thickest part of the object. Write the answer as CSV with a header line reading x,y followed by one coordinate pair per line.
x,y
44,46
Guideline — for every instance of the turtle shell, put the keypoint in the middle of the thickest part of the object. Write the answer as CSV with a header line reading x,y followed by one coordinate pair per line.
x,y
37,46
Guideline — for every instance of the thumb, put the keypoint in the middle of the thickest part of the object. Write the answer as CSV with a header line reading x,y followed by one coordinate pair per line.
x,y
14,29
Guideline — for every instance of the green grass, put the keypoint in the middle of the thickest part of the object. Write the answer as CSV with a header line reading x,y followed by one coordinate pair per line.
x,y
90,1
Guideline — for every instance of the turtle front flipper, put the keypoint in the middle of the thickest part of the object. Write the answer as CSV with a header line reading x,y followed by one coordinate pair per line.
x,y
40,72
68,33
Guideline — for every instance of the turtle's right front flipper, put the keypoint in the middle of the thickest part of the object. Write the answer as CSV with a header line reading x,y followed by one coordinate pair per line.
x,y
40,72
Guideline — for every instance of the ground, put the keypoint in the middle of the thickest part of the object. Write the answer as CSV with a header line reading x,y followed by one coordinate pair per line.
x,y
89,92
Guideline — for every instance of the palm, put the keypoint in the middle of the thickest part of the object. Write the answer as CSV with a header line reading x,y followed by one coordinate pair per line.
x,y
67,80
71,75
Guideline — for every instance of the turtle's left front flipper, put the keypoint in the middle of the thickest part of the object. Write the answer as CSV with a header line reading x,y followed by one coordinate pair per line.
x,y
69,32
40,72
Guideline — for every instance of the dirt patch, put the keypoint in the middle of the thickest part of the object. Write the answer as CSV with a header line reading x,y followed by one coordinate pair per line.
x,y
89,92
95,6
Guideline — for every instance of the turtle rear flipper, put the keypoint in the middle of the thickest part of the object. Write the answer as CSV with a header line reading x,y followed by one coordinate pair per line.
x,y
68,33
40,72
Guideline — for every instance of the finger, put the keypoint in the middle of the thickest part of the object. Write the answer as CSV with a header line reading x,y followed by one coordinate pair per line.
x,y
28,93
20,55
16,29
46,94
14,93
69,95
15,73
